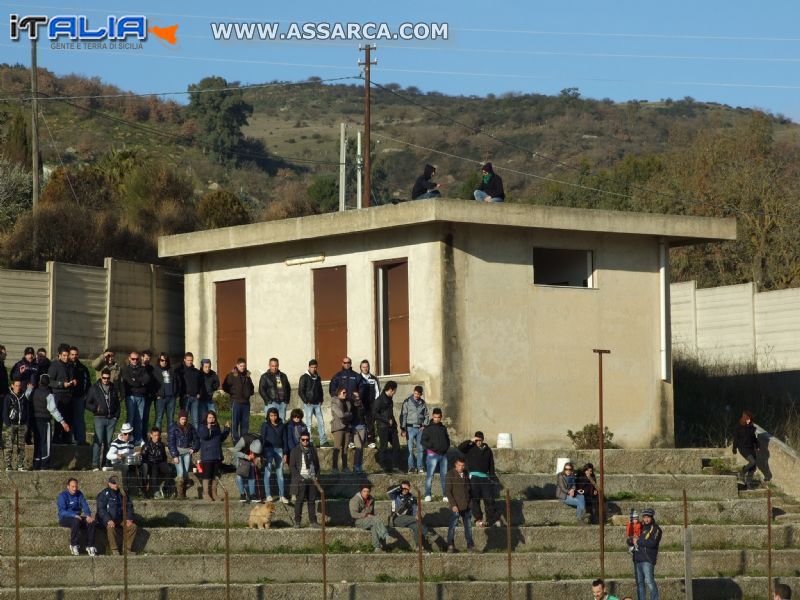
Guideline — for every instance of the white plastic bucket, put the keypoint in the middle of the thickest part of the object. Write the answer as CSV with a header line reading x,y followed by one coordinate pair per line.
x,y
560,462
504,440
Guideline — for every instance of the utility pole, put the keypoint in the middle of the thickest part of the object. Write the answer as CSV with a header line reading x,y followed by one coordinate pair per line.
x,y
602,487
368,62
34,125
342,171
359,164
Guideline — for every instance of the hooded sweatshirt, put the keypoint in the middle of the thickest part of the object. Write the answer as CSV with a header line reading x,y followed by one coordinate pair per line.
x,y
492,183
423,183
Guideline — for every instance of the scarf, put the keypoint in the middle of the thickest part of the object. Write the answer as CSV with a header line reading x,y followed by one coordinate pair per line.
x,y
486,178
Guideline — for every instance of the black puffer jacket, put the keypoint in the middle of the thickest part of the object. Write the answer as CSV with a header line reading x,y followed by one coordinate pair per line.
x,y
435,437
478,459
745,440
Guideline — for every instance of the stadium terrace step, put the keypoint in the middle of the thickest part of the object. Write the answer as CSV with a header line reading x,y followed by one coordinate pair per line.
x,y
54,541
684,460
533,486
255,568
37,512
717,588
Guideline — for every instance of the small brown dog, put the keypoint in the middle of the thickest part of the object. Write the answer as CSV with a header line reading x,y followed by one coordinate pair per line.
x,y
261,516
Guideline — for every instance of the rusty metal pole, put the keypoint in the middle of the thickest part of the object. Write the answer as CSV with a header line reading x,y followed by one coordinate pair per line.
x,y
368,62
124,543
324,541
508,538
419,545
227,544
769,542
602,487
687,549
16,539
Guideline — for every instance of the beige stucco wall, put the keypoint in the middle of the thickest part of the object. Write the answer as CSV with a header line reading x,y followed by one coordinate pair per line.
x,y
280,303
525,351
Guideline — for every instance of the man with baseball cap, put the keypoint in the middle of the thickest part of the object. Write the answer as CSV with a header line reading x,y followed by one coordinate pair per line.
x,y
645,553
110,517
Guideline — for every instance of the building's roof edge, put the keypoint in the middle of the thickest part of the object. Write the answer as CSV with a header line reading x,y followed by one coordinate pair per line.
x,y
676,229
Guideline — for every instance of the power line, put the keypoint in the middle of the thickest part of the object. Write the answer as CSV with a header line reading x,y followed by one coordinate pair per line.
x,y
55,148
663,36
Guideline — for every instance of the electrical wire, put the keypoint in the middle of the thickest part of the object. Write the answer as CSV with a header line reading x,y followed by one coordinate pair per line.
x,y
60,160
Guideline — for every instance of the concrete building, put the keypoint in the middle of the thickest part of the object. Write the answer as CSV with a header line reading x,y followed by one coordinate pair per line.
x,y
495,309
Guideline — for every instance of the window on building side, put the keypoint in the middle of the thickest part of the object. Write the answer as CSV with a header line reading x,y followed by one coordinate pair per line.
x,y
567,268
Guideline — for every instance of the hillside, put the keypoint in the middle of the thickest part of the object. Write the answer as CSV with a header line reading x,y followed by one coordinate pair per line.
x,y
562,150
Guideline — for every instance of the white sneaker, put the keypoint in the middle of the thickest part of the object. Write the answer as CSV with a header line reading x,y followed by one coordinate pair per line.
x,y
284,500
351,445
270,499
76,551
22,469
427,499
108,469
371,445
96,469
444,499
91,551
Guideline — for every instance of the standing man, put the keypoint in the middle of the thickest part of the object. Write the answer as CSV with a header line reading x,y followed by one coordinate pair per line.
x,y
457,491
137,385
644,548
347,378
74,514
26,369
491,186
43,405
368,390
599,591
362,511
239,386
110,517
152,390
310,391
42,360
211,384
63,382
16,416
83,379
104,403
436,442
107,360
413,420
387,428
191,385
304,467
480,465
274,388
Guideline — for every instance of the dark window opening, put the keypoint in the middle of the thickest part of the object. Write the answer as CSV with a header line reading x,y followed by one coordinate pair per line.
x,y
568,268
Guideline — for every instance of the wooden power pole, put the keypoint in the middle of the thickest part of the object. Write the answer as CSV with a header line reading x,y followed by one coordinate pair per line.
x,y
34,125
367,63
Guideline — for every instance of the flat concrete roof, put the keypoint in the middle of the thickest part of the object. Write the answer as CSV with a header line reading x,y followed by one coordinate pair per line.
x,y
676,229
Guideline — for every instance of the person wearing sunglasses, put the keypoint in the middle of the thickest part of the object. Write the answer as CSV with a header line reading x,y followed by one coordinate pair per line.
x,y
304,468
568,493
104,403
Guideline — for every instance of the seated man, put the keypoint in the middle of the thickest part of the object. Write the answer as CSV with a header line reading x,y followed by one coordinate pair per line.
x,y
110,517
156,468
119,451
74,513
404,511
362,510
491,186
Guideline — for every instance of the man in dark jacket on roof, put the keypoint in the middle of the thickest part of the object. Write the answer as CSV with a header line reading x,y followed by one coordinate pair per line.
x,y
491,187
480,466
424,188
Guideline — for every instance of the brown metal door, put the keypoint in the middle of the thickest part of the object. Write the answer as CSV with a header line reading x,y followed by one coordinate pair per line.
x,y
394,320
330,319
231,324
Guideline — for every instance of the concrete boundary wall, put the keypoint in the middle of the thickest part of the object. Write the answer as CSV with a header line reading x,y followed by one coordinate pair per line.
x,y
122,305
735,324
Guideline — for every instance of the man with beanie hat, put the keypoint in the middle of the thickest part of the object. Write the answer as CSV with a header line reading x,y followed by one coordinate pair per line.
x,y
491,187
645,554
480,465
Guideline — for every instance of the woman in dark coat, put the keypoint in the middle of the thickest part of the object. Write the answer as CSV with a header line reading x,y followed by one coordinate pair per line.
x,y
586,484
211,437
746,443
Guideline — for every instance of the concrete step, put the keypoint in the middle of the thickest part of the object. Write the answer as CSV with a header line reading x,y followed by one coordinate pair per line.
x,y
54,541
279,567
712,588
523,460
183,513
532,486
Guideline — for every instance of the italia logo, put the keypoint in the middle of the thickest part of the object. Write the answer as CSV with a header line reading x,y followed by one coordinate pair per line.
x,y
78,28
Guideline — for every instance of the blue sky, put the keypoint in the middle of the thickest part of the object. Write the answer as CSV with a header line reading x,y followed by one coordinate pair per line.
x,y
743,54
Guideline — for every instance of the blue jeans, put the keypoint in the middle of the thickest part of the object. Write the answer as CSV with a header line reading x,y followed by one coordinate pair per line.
x,y
206,405
165,406
251,483
310,410
184,466
103,434
466,516
579,502
428,195
274,460
240,418
432,460
148,404
135,407
414,433
78,424
483,197
193,408
645,577
279,406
